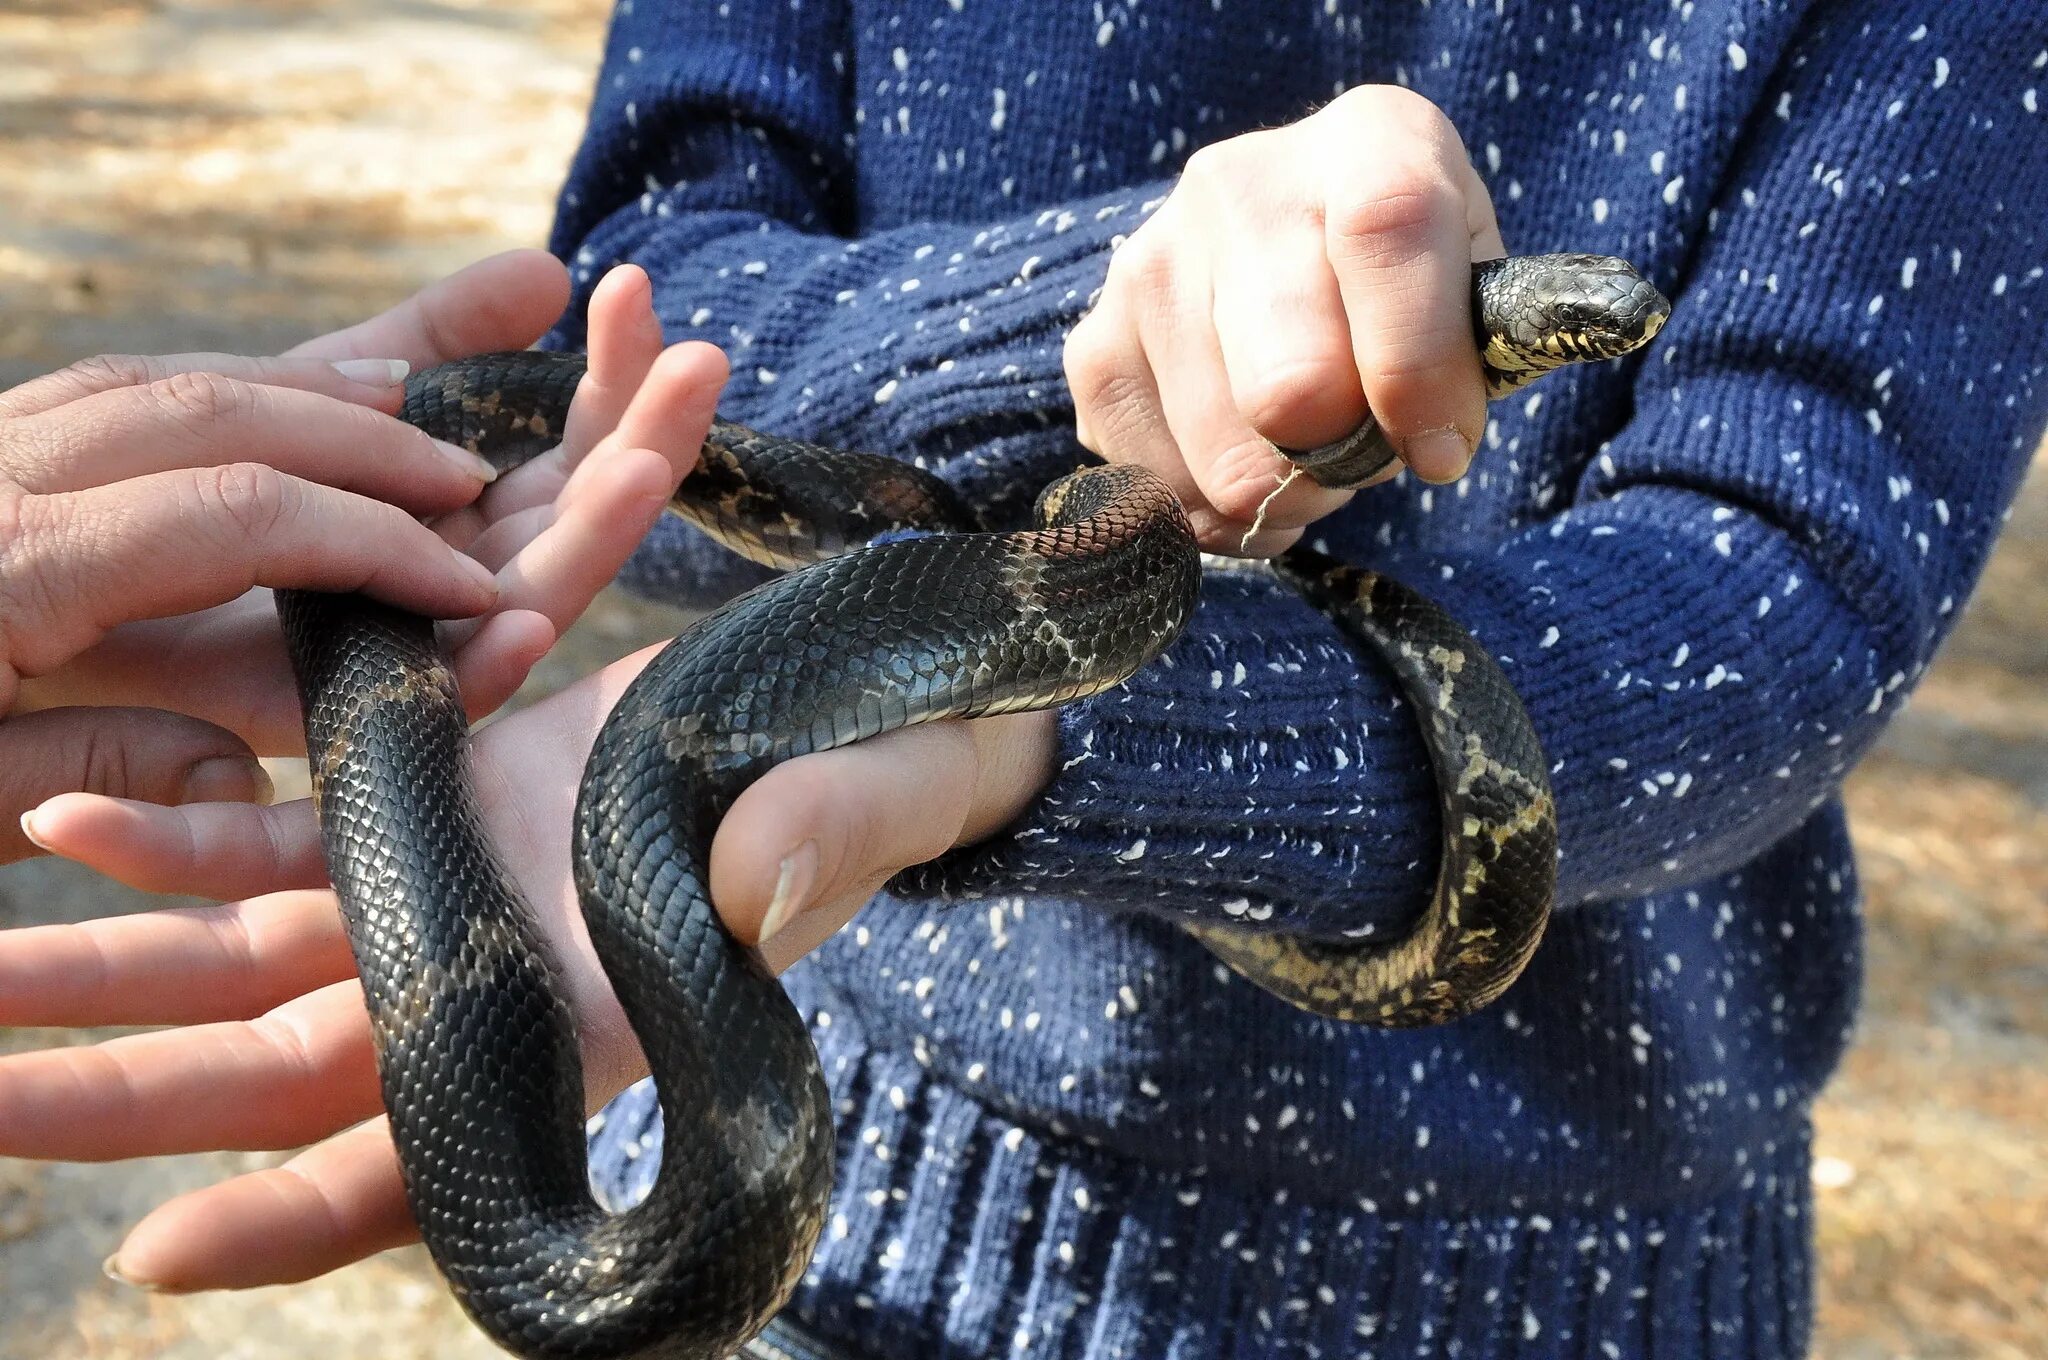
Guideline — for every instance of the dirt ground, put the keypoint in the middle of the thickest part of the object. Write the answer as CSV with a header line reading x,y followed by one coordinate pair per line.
x,y
235,174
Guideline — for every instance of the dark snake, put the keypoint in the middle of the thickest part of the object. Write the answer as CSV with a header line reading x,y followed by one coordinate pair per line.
x,y
478,1052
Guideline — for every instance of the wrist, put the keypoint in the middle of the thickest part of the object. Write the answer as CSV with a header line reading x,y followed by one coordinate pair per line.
x,y
1016,757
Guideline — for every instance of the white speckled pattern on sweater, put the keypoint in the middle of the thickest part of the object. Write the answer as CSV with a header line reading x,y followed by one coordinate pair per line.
x,y
1713,574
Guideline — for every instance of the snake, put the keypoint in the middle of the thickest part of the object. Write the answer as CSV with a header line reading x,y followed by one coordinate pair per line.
x,y
896,605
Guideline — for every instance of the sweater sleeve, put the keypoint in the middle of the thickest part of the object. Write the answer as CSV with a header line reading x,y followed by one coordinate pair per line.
x,y
1714,625
717,158
1744,584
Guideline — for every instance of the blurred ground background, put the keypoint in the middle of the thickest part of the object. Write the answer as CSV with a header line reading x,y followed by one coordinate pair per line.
x,y
238,174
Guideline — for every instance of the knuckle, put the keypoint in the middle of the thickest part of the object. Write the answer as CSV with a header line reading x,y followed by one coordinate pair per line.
x,y
1089,357
1210,161
201,399
1120,281
1415,362
1393,102
291,1046
104,764
1277,393
37,573
1100,380
104,371
250,499
1238,476
1404,121
1399,210
1142,266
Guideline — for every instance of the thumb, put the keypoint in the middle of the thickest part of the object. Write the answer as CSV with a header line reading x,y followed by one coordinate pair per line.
x,y
140,753
805,848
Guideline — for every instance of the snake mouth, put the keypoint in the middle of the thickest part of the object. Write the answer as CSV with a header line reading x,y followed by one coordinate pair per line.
x,y
1630,321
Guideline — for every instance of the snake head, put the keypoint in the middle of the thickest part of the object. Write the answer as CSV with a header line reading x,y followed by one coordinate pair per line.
x,y
1534,313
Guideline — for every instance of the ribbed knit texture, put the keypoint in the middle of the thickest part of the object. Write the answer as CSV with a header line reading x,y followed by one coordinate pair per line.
x,y
1713,573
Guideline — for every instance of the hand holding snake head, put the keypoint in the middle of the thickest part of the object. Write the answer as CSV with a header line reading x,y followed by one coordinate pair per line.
x,y
1310,289
1296,280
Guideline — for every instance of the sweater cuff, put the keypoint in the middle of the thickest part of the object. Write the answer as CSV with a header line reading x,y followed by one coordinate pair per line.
x,y
1264,772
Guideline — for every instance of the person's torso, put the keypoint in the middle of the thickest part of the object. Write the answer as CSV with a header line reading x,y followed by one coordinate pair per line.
x,y
1654,1042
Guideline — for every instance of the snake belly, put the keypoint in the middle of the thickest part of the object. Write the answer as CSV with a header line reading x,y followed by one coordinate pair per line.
x,y
477,1053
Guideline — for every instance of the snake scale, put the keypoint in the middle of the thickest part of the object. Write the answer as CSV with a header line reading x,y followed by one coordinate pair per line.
x,y
477,1052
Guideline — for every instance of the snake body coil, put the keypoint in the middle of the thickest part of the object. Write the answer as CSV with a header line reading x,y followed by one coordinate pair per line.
x,y
478,1054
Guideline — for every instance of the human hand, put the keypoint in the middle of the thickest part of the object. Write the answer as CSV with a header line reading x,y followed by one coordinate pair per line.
x,y
273,1049
277,472
1294,278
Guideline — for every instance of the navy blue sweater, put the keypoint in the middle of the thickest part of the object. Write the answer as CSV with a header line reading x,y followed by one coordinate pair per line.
x,y
1713,572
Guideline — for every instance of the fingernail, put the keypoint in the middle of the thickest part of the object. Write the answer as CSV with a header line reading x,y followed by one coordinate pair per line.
x,y
374,372
1437,455
28,829
478,572
470,464
111,1268
227,779
792,886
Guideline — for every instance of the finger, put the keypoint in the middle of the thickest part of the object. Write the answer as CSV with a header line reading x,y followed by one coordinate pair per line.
x,y
585,539
624,342
496,659
1117,407
505,302
332,1205
209,849
297,1073
1398,238
366,382
203,420
183,967
229,529
1133,404
1238,474
1286,344
629,386
1116,395
225,665
826,831
613,499
126,752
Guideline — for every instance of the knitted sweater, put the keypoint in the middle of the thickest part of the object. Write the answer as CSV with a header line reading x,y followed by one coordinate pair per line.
x,y
1713,571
